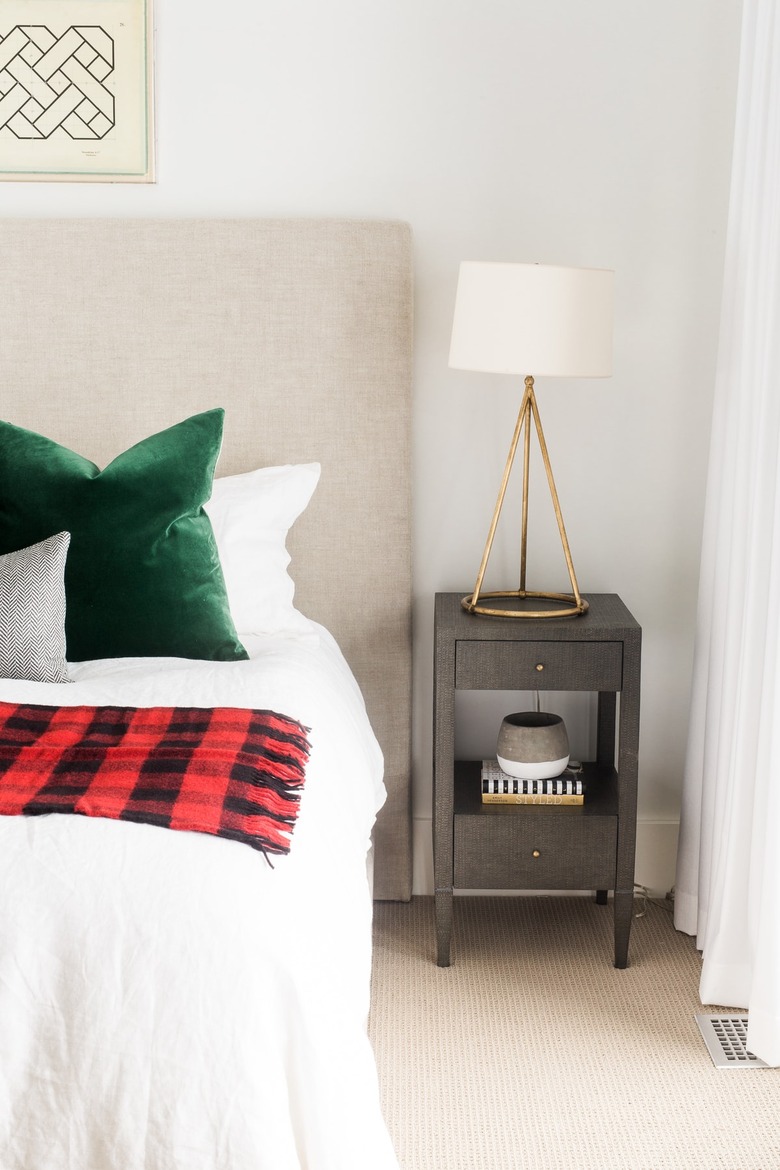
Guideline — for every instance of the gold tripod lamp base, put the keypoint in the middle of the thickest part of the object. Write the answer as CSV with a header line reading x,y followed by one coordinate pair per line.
x,y
564,604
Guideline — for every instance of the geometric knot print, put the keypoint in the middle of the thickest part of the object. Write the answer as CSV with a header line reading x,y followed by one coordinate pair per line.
x,y
53,86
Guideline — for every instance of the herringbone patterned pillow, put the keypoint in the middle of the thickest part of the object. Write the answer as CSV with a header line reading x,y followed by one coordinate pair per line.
x,y
32,611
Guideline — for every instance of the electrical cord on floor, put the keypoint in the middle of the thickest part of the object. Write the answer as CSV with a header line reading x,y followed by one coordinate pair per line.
x,y
645,897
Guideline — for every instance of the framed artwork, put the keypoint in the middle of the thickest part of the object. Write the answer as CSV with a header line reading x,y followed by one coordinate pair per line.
x,y
76,92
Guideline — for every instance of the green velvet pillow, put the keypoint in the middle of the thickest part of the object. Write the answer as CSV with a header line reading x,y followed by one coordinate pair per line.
x,y
143,576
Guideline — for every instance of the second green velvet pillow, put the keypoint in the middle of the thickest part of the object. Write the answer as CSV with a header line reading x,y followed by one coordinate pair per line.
x,y
143,576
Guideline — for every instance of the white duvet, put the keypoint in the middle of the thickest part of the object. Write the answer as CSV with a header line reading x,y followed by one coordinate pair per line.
x,y
168,1001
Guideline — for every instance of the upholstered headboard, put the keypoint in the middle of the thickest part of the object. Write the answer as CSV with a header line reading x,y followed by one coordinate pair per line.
x,y
301,329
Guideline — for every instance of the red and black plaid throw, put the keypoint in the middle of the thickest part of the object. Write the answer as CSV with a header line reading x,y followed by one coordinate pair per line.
x,y
226,771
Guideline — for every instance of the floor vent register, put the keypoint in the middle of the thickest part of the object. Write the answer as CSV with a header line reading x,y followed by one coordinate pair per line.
x,y
726,1040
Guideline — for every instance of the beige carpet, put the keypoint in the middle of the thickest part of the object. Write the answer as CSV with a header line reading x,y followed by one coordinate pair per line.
x,y
532,1051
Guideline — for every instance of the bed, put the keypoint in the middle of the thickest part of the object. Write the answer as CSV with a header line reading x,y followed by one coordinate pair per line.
x,y
181,998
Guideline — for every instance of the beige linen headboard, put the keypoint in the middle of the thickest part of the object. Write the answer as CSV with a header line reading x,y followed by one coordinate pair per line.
x,y
301,329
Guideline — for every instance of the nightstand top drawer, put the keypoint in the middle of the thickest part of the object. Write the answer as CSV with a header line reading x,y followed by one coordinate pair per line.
x,y
539,666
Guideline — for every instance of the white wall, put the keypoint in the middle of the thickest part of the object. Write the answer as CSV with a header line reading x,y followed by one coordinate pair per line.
x,y
566,132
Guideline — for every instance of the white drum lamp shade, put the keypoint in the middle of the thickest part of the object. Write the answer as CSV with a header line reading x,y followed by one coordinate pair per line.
x,y
535,319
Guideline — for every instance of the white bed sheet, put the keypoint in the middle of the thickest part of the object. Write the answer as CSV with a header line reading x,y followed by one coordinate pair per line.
x,y
168,1001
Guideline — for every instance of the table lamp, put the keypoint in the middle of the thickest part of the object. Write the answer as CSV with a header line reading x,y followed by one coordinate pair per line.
x,y
537,320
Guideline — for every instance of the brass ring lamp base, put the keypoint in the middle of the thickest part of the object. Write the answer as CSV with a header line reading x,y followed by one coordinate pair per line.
x,y
573,602
574,606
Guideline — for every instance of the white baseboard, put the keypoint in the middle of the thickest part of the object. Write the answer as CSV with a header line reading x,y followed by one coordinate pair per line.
x,y
656,855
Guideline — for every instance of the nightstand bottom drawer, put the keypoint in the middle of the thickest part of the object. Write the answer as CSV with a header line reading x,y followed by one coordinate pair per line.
x,y
543,853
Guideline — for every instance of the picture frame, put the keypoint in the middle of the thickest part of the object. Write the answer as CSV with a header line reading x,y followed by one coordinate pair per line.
x,y
76,91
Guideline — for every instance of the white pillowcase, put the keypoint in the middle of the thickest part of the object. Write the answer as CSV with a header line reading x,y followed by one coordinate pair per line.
x,y
32,611
251,515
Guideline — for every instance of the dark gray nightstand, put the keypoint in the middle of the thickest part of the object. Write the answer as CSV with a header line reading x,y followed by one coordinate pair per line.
x,y
478,846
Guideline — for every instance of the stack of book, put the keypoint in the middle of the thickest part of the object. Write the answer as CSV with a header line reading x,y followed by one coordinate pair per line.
x,y
498,787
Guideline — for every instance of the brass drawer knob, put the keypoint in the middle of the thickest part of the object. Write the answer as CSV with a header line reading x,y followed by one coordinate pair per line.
x,y
536,853
540,666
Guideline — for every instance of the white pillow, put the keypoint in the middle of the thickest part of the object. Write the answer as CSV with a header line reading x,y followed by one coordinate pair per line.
x,y
32,611
251,515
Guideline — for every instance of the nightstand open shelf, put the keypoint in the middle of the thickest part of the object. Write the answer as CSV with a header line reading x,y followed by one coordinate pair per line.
x,y
601,798
485,846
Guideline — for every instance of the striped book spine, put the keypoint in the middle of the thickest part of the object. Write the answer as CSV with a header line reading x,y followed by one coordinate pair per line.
x,y
496,782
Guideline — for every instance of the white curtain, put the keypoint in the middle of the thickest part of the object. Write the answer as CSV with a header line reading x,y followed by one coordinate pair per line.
x,y
728,874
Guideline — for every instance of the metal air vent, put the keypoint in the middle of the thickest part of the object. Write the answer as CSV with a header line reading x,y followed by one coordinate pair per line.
x,y
726,1040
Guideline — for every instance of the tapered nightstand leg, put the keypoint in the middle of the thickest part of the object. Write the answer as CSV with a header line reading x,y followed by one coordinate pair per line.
x,y
623,909
602,897
443,927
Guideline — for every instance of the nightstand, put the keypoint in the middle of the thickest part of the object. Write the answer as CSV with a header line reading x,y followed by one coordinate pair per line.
x,y
491,847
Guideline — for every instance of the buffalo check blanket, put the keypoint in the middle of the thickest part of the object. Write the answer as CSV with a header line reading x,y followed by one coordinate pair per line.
x,y
226,771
